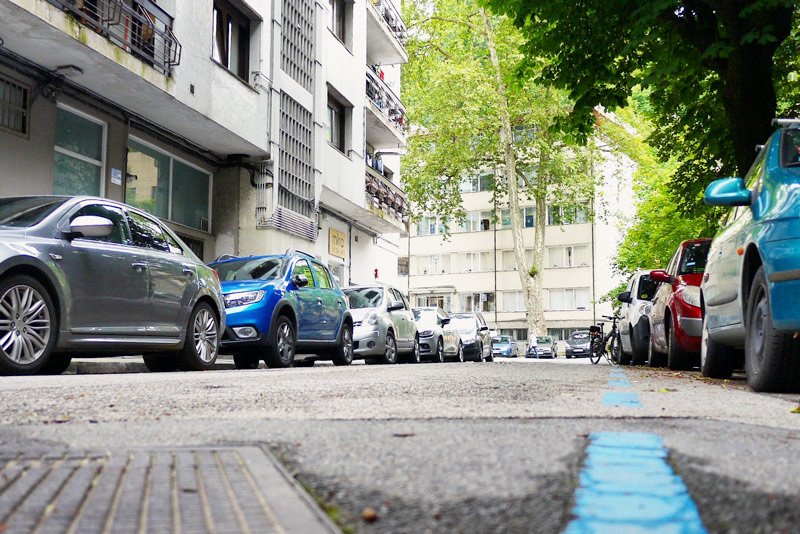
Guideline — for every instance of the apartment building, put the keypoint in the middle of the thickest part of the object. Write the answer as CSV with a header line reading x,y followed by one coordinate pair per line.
x,y
248,126
475,268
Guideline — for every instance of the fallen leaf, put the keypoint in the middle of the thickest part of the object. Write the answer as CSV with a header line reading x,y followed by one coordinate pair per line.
x,y
667,390
567,394
369,515
796,409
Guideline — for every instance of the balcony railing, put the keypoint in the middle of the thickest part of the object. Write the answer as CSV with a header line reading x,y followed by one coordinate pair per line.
x,y
386,197
144,32
386,101
392,18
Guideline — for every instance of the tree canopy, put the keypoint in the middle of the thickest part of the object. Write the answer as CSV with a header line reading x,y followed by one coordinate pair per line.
x,y
717,71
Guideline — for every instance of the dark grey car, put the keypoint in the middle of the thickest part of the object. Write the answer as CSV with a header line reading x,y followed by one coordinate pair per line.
x,y
89,275
475,336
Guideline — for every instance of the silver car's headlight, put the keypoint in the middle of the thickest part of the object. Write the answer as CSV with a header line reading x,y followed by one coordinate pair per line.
x,y
426,333
468,338
371,319
242,298
691,296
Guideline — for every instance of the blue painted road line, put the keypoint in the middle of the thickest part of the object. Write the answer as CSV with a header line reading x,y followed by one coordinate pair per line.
x,y
627,486
617,374
616,398
619,384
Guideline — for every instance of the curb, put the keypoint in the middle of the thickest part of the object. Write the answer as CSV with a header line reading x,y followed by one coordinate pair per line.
x,y
126,364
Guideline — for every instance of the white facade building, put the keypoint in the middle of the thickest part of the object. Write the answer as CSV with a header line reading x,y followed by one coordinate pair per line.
x,y
475,269
249,126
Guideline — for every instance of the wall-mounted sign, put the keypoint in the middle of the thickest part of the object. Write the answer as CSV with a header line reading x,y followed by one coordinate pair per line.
x,y
337,243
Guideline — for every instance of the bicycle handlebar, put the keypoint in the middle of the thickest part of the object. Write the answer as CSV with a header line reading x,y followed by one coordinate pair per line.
x,y
610,318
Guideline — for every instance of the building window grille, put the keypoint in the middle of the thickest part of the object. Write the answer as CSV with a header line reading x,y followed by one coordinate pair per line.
x,y
14,107
296,173
297,52
195,245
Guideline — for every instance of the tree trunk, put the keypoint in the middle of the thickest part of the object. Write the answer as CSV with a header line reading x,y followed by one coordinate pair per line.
x,y
531,285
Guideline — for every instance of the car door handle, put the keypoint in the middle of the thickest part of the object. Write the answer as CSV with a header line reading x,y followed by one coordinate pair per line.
x,y
187,269
139,265
319,301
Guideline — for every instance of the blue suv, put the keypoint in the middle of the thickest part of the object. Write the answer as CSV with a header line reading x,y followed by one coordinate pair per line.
x,y
280,305
751,285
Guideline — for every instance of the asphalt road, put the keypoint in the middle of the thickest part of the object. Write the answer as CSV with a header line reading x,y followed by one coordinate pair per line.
x,y
473,448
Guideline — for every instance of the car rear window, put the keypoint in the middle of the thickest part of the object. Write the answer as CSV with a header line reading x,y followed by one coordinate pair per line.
x,y
647,288
790,148
694,258
24,212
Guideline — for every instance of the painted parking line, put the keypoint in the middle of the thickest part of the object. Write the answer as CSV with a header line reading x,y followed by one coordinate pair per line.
x,y
626,486
616,398
617,374
619,384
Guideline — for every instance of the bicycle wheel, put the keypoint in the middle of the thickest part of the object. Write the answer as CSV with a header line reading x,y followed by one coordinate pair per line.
x,y
596,351
616,349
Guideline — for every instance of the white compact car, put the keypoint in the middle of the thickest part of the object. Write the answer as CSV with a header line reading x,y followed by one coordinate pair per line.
x,y
634,326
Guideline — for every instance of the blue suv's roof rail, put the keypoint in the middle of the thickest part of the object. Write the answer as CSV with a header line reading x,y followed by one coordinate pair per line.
x,y
290,251
786,123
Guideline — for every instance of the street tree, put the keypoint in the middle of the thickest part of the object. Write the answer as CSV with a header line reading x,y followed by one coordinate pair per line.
x,y
472,114
709,65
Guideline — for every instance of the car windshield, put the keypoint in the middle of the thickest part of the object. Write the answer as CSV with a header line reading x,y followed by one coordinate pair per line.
x,y
647,288
23,212
364,297
251,269
544,339
424,316
579,336
694,258
501,340
464,323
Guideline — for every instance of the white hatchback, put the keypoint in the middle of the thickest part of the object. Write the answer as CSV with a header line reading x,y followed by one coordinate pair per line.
x,y
634,326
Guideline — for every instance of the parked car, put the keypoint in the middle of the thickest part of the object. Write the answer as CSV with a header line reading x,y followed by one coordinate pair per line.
x,y
504,346
285,309
634,324
384,326
546,347
438,339
676,318
88,275
474,335
751,288
578,344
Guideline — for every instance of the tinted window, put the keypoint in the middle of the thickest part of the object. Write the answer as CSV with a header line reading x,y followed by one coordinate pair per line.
x,y
147,233
364,297
647,288
23,212
322,275
790,148
301,267
119,234
694,258
251,269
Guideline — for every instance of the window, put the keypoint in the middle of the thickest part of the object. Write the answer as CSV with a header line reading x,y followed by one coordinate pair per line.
x,y
14,106
119,234
79,149
476,221
322,276
528,216
561,333
510,261
297,46
477,302
561,215
519,334
568,256
402,267
442,301
147,233
337,270
514,301
338,19
231,47
166,187
431,225
478,182
296,173
435,264
475,262
301,267
569,299
336,123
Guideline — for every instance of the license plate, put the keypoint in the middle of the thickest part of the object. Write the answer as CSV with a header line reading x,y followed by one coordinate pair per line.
x,y
577,350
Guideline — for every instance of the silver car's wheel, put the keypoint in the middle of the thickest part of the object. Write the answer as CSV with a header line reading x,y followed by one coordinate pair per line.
x,y
200,350
389,350
439,356
460,355
27,325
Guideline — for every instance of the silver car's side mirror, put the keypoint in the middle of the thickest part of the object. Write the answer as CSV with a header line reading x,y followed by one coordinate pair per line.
x,y
91,226
395,305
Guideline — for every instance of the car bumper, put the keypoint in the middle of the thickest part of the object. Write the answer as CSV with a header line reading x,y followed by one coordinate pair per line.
x,y
692,326
544,353
577,353
784,297
427,345
368,342
231,341
471,348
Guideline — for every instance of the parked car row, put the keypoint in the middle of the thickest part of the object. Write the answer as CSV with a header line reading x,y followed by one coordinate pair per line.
x,y
90,275
731,302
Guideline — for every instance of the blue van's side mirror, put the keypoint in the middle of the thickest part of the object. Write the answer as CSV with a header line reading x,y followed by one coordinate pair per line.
x,y
727,192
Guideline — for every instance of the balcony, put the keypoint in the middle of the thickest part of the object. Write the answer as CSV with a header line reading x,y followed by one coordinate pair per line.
x,y
386,119
385,200
145,33
385,34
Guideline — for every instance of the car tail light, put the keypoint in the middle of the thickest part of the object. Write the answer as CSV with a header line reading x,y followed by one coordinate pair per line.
x,y
216,274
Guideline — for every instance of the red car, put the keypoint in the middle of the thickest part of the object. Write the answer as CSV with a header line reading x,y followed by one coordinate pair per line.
x,y
676,321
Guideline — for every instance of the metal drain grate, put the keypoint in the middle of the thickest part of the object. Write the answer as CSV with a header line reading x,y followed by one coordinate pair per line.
x,y
215,490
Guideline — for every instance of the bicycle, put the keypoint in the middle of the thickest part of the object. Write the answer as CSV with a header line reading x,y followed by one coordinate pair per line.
x,y
599,341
